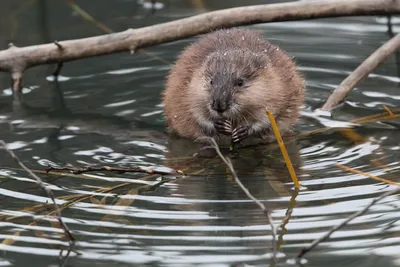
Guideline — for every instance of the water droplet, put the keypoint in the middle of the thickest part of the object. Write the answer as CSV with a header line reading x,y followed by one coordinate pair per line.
x,y
242,38
225,54
265,50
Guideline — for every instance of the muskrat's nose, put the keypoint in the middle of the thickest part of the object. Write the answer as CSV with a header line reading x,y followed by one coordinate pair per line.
x,y
219,106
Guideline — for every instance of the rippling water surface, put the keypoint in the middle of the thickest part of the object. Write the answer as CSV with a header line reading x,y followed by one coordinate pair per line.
x,y
107,111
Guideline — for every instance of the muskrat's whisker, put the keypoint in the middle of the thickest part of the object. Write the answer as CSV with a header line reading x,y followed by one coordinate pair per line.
x,y
251,114
247,122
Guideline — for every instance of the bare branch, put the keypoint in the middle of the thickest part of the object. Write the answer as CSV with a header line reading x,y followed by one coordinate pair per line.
x,y
47,190
133,39
368,66
246,191
345,222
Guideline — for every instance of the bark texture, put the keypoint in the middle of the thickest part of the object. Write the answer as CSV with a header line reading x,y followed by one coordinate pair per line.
x,y
17,59
362,71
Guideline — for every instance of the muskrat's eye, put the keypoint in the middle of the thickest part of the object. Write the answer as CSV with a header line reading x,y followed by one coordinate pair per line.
x,y
239,82
211,82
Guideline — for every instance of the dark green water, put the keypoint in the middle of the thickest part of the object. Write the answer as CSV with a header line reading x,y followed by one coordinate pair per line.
x,y
107,111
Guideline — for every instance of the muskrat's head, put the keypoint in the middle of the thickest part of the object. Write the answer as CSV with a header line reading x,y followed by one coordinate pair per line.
x,y
235,82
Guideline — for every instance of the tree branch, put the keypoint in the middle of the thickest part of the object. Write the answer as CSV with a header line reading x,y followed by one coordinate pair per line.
x,y
47,190
119,170
132,39
345,222
368,66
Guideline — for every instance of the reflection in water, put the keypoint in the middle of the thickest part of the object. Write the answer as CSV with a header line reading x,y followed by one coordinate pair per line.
x,y
261,169
106,111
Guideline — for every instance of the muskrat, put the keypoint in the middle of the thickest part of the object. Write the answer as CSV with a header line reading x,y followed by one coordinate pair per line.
x,y
222,84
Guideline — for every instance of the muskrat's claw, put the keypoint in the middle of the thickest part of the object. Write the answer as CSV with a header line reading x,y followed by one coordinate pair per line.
x,y
240,133
223,127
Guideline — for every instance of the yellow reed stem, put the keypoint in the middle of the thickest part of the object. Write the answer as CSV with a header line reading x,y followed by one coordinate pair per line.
x,y
388,110
353,136
283,149
366,174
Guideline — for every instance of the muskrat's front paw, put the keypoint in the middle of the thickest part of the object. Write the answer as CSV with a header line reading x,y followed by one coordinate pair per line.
x,y
240,133
223,127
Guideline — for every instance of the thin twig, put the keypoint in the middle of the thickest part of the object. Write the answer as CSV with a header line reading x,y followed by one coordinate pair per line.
x,y
57,71
246,191
368,66
58,45
64,259
345,222
47,190
119,170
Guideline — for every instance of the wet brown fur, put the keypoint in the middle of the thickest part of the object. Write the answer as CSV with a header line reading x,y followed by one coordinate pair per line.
x,y
277,85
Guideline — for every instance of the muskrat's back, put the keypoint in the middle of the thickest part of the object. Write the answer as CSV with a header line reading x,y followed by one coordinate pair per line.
x,y
180,103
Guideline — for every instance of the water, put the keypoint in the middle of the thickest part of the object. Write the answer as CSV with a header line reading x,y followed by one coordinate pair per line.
x,y
106,111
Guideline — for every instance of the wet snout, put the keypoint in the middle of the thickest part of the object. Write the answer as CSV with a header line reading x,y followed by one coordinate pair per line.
x,y
220,105
221,94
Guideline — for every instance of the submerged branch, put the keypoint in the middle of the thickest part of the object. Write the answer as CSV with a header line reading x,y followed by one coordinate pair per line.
x,y
366,67
345,222
47,190
21,58
246,191
119,170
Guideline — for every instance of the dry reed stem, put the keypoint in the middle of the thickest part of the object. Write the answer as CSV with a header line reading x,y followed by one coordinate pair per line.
x,y
366,174
285,154
360,121
388,110
88,17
